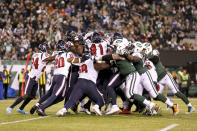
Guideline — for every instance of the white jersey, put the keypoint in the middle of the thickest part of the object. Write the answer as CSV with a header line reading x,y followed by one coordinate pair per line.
x,y
61,64
98,49
38,66
87,70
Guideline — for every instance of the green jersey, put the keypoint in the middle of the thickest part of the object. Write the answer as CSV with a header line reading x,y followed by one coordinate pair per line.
x,y
125,67
140,65
160,69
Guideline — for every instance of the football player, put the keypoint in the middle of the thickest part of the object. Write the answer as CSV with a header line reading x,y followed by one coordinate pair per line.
x,y
59,81
128,72
165,78
86,85
31,81
146,80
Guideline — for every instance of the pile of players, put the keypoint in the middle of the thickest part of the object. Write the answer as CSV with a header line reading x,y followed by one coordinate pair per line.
x,y
100,67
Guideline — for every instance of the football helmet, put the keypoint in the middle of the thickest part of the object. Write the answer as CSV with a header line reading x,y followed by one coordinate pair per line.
x,y
116,36
43,47
148,47
70,35
96,37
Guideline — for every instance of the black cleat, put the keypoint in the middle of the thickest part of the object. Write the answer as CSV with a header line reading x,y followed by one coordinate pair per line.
x,y
33,109
41,112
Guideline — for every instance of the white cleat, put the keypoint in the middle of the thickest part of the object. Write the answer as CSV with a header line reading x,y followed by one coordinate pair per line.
x,y
61,112
114,109
96,109
190,110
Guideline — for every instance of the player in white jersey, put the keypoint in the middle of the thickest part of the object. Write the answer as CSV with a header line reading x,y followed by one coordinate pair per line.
x,y
31,82
59,82
86,86
97,45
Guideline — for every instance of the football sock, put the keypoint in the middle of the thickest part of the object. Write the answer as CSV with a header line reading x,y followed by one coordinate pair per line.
x,y
169,102
161,98
183,97
26,101
139,98
17,102
189,104
146,102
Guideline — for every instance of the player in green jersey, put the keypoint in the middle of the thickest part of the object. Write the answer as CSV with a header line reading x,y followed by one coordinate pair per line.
x,y
165,78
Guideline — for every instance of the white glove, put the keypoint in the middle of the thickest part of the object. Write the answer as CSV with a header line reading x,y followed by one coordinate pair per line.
x,y
155,52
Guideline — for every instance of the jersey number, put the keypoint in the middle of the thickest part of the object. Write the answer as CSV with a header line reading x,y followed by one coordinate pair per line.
x,y
35,62
59,62
83,68
93,49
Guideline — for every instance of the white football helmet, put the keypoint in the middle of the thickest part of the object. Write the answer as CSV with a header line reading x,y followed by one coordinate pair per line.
x,y
138,46
148,47
121,46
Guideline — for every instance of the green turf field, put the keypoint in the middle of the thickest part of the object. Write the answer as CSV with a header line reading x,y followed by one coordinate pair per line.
x,y
83,122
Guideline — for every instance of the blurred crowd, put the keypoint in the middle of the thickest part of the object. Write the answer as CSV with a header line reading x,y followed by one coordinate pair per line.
x,y
26,23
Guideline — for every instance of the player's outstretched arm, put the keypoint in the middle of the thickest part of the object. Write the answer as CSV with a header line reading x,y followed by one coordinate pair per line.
x,y
133,58
109,57
101,66
74,60
49,59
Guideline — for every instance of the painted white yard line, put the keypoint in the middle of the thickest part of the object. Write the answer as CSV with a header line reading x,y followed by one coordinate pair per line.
x,y
169,127
13,122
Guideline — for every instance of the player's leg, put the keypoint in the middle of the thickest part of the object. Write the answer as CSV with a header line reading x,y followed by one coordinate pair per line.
x,y
43,98
115,82
75,95
170,82
150,87
133,88
92,92
21,98
60,82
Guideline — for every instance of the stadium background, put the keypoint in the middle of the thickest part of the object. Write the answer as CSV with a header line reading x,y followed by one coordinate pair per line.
x,y
169,25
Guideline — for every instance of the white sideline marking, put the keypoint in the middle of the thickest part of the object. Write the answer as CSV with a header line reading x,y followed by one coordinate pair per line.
x,y
12,122
169,127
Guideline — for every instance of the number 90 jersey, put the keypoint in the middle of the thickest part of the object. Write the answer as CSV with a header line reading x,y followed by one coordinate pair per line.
x,y
38,66
61,64
98,49
87,70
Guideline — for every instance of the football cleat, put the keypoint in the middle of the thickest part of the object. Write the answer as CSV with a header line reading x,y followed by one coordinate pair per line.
x,y
41,112
9,110
190,109
114,109
175,109
96,109
21,111
33,109
61,112
125,111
